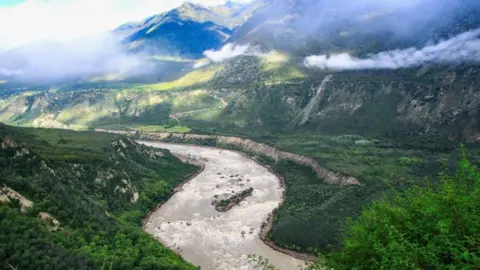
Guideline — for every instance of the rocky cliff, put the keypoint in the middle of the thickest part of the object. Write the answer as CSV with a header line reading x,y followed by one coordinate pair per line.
x,y
440,101
257,148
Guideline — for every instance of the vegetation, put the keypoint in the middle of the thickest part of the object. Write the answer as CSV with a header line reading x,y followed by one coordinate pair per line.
x,y
422,227
191,79
432,227
224,205
149,128
175,129
356,129
98,186
314,215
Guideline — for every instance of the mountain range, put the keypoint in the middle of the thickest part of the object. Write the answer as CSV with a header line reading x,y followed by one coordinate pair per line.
x,y
366,47
311,26
380,90
188,30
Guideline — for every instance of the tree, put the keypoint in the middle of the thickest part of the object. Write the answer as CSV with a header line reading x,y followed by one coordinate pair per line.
x,y
432,227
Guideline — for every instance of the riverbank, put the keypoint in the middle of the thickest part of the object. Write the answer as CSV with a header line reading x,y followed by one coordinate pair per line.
x,y
178,188
266,224
216,240
247,145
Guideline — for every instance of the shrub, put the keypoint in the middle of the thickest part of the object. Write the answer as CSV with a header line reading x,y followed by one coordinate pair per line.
x,y
433,227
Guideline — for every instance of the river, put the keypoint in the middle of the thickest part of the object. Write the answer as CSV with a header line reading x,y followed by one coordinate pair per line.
x,y
189,223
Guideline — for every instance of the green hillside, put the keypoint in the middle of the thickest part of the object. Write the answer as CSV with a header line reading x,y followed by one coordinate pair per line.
x,y
387,128
75,200
394,129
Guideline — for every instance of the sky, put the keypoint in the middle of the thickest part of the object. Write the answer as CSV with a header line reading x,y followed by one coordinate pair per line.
x,y
23,21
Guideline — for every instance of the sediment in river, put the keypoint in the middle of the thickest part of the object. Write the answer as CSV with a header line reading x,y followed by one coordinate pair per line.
x,y
189,223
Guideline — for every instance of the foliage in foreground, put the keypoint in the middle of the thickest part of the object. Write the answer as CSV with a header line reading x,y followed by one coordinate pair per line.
x,y
433,227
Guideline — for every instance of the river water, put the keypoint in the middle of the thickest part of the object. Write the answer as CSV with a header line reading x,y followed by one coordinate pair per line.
x,y
189,223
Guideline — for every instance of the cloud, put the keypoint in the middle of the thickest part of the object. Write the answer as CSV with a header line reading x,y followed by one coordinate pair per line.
x,y
78,59
46,41
231,50
201,64
7,72
66,19
462,48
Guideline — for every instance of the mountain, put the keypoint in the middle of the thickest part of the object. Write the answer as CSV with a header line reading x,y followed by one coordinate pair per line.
x,y
311,26
389,126
235,14
186,32
229,15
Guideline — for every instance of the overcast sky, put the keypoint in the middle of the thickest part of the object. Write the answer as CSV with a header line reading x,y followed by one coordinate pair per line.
x,y
28,20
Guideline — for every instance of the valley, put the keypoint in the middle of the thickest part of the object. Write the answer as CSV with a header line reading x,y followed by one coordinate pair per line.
x,y
388,132
77,200
189,223
253,134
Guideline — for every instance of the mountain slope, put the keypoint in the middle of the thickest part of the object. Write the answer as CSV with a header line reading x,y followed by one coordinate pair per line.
x,y
230,15
310,26
186,32
386,127
76,200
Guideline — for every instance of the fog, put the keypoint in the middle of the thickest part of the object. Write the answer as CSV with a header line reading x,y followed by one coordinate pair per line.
x,y
231,50
462,48
411,23
400,17
75,59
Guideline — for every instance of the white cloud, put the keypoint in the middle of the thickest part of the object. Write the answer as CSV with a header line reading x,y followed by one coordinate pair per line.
x,y
93,56
462,48
66,19
231,50
201,64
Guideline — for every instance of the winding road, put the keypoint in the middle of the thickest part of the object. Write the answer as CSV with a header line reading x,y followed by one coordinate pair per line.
x,y
189,223
224,104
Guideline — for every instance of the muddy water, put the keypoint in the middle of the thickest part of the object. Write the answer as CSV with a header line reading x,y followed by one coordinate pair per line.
x,y
189,223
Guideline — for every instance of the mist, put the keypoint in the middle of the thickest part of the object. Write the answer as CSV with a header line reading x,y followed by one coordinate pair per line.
x,y
229,51
462,48
80,58
362,26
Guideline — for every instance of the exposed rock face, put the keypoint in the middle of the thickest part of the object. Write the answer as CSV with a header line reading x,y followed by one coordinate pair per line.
x,y
429,100
305,115
7,143
47,217
7,194
260,148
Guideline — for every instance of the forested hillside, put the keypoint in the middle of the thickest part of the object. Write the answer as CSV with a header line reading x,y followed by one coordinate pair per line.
x,y
429,227
380,91
75,200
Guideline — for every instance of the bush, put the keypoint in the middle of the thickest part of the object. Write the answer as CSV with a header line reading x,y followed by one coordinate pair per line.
x,y
421,228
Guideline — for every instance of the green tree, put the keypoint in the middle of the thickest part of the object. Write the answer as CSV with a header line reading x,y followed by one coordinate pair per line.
x,y
432,227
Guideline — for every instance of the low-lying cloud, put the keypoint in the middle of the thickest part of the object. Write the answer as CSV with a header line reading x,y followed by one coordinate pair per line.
x,y
229,51
462,48
60,20
81,58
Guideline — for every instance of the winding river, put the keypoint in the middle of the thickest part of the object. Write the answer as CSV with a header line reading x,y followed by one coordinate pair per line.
x,y
189,224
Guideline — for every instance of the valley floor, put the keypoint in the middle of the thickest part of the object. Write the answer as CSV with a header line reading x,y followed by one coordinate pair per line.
x,y
189,222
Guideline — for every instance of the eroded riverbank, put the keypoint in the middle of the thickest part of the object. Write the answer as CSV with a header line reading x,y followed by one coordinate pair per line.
x,y
189,223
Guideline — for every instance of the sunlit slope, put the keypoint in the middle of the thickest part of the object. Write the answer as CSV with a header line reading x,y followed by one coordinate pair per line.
x,y
272,92
194,78
87,194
